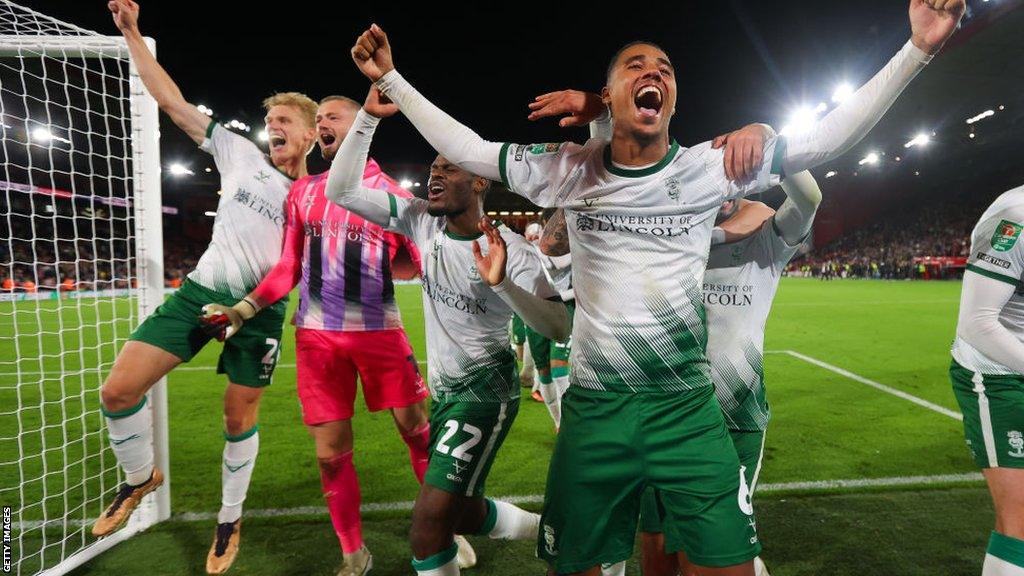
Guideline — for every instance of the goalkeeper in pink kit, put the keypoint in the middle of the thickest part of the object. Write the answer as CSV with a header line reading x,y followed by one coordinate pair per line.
x,y
347,325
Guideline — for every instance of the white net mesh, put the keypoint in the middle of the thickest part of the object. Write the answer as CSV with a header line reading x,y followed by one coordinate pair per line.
x,y
68,269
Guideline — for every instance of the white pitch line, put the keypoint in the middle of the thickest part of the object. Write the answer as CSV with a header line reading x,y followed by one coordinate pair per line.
x,y
876,385
809,486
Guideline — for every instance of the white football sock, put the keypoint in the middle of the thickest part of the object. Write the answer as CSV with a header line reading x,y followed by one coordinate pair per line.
x,y
236,472
617,569
444,563
507,522
131,438
1004,557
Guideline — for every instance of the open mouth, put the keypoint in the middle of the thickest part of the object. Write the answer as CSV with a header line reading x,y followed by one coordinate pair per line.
x,y
435,190
647,100
327,138
277,142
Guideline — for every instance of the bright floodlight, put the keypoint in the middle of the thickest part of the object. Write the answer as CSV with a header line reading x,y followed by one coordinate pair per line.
x,y
405,183
830,173
263,136
417,184
41,134
180,170
800,121
209,213
919,140
871,158
981,116
821,107
842,92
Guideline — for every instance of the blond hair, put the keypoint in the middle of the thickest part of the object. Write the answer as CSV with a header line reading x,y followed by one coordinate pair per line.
x,y
297,100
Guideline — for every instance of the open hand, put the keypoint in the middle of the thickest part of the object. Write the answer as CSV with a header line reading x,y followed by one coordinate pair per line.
x,y
932,22
492,265
581,107
744,150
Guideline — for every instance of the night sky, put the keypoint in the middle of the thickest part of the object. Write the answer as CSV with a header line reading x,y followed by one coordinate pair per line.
x,y
736,62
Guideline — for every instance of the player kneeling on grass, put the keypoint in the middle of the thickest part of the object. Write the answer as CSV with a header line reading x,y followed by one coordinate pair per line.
x,y
245,246
988,372
469,294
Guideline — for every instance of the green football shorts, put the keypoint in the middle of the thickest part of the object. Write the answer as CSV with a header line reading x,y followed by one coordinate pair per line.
x,y
993,409
464,439
611,447
249,357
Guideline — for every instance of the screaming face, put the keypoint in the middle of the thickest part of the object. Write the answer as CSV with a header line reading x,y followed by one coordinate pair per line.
x,y
289,137
641,92
451,190
333,120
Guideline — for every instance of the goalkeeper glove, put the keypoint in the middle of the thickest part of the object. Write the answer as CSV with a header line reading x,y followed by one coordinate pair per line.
x,y
223,322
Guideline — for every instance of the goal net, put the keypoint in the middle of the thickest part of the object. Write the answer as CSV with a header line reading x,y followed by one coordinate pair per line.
x,y
80,266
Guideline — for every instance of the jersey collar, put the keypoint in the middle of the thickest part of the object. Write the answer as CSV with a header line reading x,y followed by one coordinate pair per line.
x,y
640,172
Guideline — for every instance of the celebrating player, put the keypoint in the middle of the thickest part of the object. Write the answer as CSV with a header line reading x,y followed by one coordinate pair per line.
x,y
988,372
742,277
347,325
469,295
640,411
246,244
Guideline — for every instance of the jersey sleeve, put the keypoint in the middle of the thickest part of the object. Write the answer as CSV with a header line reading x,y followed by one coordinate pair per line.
x,y
997,250
226,147
780,251
769,174
537,171
409,217
526,270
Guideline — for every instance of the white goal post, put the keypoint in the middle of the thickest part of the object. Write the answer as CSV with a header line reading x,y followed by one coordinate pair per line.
x,y
81,260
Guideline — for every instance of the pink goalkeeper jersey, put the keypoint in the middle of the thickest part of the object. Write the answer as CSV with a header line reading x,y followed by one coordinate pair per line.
x,y
345,263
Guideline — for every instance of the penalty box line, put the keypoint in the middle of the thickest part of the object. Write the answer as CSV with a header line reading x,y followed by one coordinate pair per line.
x,y
405,506
868,382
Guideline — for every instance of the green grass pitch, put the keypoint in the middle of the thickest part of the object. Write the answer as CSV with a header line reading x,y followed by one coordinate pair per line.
x,y
838,352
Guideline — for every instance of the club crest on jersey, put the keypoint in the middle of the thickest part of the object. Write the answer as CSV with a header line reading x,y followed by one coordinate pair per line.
x,y
474,274
1016,440
672,189
1006,235
241,195
261,177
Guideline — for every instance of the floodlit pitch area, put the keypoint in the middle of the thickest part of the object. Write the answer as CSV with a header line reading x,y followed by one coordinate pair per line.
x,y
865,470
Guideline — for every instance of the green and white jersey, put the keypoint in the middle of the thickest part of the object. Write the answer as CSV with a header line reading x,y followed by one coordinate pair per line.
x,y
249,227
739,287
997,252
640,240
469,355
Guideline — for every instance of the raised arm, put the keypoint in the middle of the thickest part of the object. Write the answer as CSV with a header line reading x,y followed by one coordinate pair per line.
x,y
457,143
159,84
796,215
848,123
981,302
345,178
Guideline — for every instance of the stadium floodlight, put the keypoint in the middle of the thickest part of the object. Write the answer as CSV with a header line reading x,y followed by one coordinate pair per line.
x,y
405,183
800,121
209,213
921,139
180,170
830,173
842,92
262,136
503,213
821,107
981,116
204,109
41,135
208,170
417,184
871,158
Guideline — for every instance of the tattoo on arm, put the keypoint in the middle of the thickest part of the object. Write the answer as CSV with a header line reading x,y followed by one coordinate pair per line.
x,y
554,241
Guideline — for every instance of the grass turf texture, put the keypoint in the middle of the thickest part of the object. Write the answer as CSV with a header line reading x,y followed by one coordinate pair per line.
x,y
825,426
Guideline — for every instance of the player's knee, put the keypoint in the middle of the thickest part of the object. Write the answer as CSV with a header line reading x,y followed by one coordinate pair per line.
x,y
331,464
116,395
235,424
